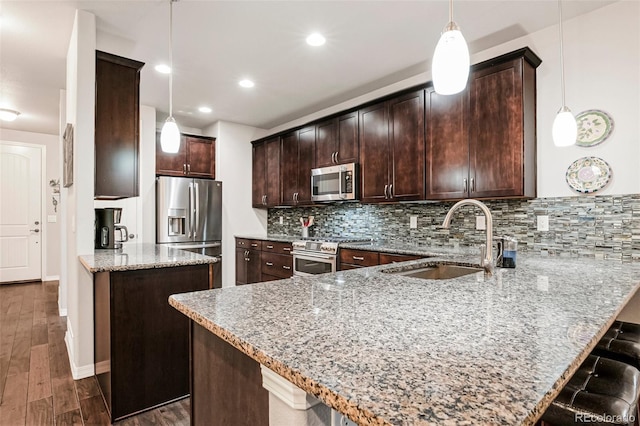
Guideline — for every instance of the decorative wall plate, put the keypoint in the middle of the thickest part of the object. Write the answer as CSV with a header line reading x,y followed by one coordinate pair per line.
x,y
594,127
588,174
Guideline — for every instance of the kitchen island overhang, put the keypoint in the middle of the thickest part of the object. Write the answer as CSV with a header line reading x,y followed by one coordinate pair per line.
x,y
387,349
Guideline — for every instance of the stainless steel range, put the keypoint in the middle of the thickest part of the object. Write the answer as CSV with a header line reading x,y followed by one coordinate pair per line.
x,y
317,256
314,257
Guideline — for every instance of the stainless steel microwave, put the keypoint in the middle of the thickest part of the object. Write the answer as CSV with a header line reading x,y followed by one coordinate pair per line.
x,y
334,183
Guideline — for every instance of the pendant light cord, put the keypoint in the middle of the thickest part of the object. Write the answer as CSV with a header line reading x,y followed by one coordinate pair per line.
x,y
450,10
561,51
171,58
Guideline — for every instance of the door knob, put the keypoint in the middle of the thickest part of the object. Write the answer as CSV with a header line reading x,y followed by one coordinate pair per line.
x,y
37,222
34,230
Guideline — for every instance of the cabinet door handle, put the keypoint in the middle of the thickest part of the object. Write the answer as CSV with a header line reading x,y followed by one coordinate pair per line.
x,y
286,267
184,168
358,258
188,168
337,160
246,253
286,248
385,192
473,185
264,200
269,247
391,191
333,158
466,187
269,263
297,197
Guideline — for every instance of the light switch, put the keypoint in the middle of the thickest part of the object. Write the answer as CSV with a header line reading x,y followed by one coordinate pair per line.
x,y
481,224
413,222
543,223
52,218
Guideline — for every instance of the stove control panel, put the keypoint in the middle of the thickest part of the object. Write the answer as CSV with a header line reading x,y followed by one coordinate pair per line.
x,y
316,246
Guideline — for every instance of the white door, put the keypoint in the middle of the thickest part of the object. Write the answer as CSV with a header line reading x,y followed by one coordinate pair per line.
x,y
20,211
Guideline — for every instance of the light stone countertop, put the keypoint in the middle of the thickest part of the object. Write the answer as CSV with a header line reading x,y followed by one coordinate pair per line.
x,y
388,349
141,256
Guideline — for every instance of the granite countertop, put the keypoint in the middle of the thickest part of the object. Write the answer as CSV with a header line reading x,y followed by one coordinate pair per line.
x,y
141,256
388,349
399,247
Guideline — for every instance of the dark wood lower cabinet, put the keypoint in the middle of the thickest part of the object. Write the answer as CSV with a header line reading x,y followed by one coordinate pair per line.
x,y
226,385
141,342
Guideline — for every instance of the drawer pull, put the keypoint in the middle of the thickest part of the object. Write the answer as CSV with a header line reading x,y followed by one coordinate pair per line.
x,y
358,258
286,267
269,263
254,245
286,248
269,247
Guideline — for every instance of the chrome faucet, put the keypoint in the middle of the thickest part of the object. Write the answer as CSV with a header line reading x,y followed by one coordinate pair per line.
x,y
487,253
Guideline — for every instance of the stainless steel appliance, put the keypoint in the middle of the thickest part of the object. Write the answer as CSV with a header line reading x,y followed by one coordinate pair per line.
x,y
314,257
109,234
334,183
189,217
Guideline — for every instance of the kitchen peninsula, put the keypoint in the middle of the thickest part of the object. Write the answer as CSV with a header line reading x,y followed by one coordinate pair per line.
x,y
383,348
140,342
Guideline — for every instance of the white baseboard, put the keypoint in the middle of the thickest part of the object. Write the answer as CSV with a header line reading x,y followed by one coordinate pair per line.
x,y
78,372
52,278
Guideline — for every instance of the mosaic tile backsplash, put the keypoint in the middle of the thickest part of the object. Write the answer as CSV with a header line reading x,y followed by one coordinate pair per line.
x,y
585,226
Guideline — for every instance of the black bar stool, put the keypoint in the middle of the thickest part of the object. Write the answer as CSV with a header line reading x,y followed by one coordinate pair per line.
x,y
603,392
621,342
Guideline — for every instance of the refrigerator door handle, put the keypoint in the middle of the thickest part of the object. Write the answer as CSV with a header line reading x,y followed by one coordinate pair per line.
x,y
191,218
197,209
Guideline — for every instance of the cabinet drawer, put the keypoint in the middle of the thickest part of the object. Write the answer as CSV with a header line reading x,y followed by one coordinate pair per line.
x,y
248,244
278,265
359,257
276,247
386,258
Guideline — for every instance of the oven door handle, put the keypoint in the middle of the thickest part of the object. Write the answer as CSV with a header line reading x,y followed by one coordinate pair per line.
x,y
310,256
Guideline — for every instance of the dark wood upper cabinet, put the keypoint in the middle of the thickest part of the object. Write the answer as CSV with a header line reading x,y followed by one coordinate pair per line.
x,y
298,158
266,173
337,140
481,143
392,149
502,131
117,126
306,162
196,157
447,146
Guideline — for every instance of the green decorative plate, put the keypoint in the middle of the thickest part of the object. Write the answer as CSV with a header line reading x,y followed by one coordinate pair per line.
x,y
588,174
594,127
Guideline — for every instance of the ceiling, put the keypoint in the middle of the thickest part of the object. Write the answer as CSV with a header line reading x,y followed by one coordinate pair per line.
x,y
370,44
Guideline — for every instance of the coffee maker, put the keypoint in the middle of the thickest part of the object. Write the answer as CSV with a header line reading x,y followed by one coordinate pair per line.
x,y
107,229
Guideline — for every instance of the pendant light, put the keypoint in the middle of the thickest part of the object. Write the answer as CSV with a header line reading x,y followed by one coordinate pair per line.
x,y
450,65
565,129
170,134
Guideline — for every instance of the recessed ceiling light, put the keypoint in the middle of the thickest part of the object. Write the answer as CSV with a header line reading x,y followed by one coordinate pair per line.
x,y
164,69
246,83
8,114
204,109
316,39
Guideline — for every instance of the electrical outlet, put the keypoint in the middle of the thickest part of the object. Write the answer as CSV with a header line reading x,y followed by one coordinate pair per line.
x,y
52,218
481,223
543,223
281,220
413,222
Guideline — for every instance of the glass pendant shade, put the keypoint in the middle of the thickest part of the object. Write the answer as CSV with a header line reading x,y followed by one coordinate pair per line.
x,y
450,65
170,136
565,129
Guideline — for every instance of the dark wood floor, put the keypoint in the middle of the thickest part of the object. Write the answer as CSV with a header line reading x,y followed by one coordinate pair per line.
x,y
36,386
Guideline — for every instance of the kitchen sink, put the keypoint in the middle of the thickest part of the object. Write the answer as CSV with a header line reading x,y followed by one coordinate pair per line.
x,y
439,272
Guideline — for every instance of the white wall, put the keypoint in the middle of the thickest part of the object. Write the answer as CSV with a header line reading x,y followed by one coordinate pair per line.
x,y
233,168
51,230
602,67
77,199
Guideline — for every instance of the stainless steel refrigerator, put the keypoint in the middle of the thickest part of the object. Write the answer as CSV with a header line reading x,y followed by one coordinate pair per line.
x,y
189,216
